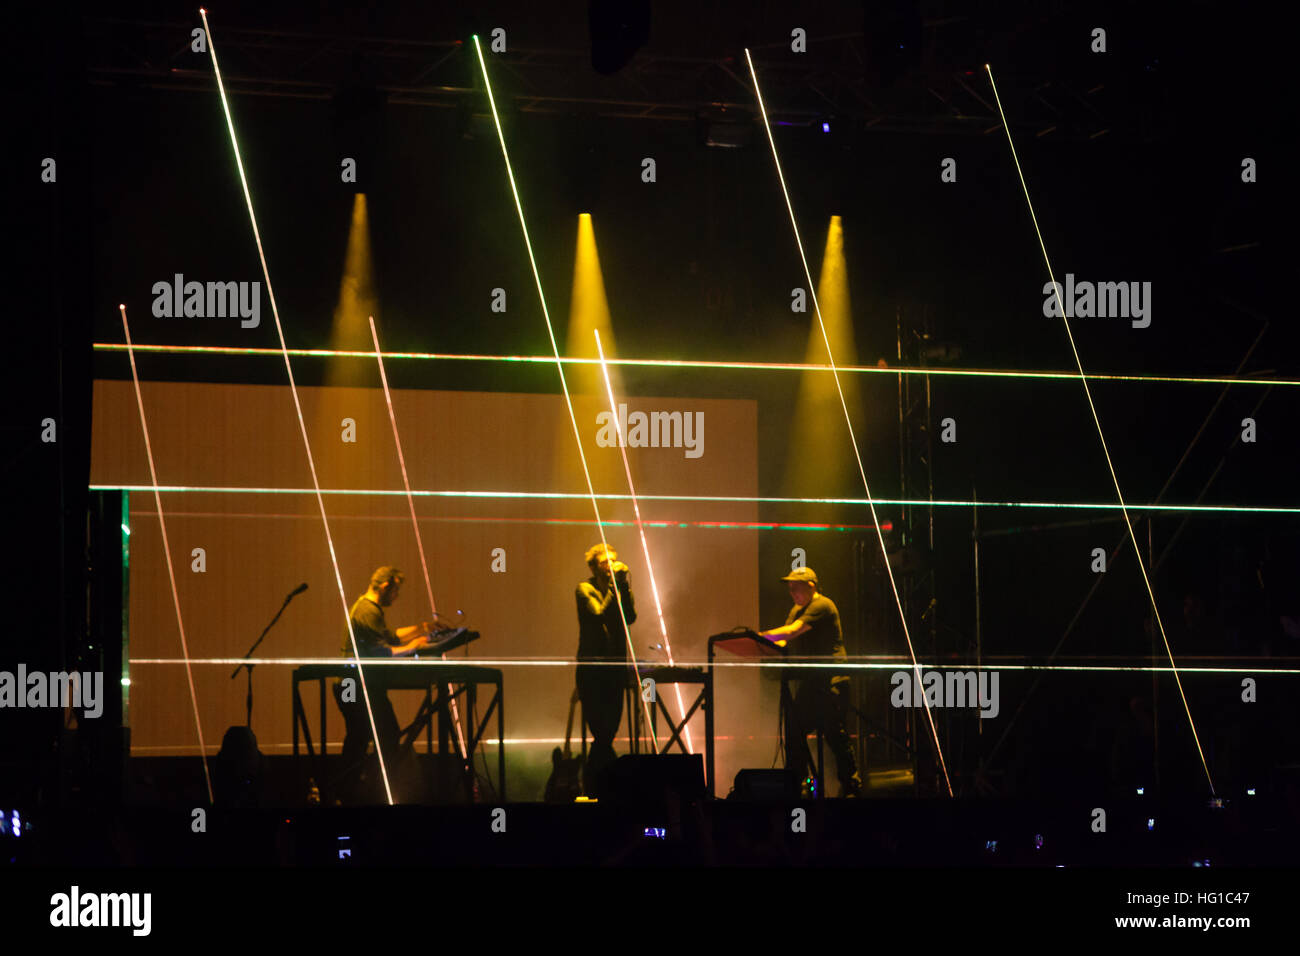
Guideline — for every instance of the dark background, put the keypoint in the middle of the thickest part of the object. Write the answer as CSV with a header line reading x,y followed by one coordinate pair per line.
x,y
700,265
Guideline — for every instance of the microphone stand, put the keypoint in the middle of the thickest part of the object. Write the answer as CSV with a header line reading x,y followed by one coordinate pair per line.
x,y
248,700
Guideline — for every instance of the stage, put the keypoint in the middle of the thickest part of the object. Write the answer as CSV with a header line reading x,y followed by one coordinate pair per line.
x,y
670,440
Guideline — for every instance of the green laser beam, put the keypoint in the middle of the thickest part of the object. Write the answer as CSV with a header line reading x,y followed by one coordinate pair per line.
x,y
730,499
704,364
838,665
480,519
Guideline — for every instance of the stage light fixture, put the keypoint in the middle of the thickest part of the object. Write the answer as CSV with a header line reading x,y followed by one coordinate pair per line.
x,y
618,29
726,129
894,37
357,109
472,125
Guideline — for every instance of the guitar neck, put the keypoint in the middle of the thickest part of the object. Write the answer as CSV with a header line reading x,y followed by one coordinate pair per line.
x,y
568,727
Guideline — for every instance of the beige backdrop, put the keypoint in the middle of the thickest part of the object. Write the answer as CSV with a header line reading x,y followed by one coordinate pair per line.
x,y
260,546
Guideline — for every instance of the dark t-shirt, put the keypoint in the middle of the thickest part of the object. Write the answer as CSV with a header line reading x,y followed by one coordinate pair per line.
x,y
825,639
373,636
600,628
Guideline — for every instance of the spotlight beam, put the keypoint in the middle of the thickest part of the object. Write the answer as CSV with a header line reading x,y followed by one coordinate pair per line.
x,y
297,404
1110,465
830,354
645,548
167,554
410,501
559,366
1045,375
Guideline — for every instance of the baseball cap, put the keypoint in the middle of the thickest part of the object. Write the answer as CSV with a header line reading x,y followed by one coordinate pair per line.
x,y
801,574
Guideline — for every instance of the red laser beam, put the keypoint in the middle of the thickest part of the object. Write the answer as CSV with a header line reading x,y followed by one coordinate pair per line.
x,y
167,553
415,523
640,527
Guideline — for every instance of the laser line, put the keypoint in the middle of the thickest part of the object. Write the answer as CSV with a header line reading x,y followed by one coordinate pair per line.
x,y
488,519
734,499
415,523
1110,465
707,364
559,365
167,553
812,292
297,404
838,665
645,548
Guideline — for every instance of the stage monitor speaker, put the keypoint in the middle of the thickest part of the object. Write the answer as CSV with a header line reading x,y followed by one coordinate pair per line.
x,y
762,785
649,778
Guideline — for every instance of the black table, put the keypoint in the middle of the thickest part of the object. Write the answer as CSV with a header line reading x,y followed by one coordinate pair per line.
x,y
432,677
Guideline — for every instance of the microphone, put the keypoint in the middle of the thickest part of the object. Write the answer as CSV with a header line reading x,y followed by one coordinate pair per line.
x,y
298,590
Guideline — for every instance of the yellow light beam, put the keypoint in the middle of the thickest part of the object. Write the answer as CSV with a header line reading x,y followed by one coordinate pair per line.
x,y
588,312
817,457
862,472
559,365
297,403
357,299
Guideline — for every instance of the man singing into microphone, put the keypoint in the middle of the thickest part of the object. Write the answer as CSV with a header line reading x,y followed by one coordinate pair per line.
x,y
374,639
602,641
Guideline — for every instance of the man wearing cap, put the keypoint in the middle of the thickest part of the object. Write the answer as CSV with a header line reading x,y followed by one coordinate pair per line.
x,y
812,629
604,603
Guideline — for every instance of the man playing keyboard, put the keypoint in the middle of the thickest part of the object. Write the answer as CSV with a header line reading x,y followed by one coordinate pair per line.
x,y
375,639
812,629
